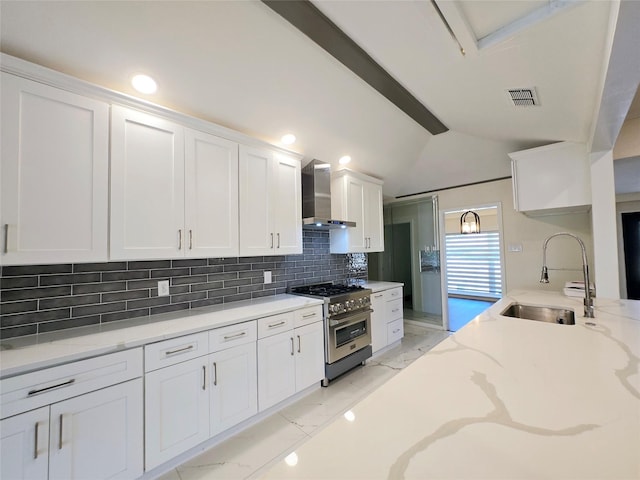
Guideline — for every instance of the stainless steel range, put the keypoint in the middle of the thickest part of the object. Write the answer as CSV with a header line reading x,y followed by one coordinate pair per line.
x,y
347,325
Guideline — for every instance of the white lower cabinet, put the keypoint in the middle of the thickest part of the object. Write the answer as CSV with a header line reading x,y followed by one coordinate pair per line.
x,y
289,362
97,435
387,324
25,445
176,410
234,386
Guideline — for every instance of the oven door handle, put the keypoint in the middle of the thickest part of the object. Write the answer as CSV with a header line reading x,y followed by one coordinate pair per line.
x,y
357,316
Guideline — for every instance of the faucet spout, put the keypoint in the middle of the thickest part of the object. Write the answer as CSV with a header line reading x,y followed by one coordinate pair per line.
x,y
544,278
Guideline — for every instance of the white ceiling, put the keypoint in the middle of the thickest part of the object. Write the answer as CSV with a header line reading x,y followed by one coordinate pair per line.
x,y
243,66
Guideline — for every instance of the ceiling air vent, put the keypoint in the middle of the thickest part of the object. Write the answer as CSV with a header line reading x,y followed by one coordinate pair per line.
x,y
523,97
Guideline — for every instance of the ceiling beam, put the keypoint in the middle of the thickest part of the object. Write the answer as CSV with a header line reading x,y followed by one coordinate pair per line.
x,y
303,15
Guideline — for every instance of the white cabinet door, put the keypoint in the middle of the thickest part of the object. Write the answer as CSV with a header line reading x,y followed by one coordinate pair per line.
x,y
355,208
378,322
373,218
276,369
55,173
211,196
98,435
287,205
147,186
176,410
24,447
256,233
234,386
270,203
309,345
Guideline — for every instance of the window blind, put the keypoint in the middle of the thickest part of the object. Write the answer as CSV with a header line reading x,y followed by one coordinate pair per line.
x,y
473,264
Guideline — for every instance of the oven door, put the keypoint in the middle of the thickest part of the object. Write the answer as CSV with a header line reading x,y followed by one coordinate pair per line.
x,y
348,335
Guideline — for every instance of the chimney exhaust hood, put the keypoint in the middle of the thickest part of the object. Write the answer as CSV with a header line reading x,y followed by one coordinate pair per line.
x,y
316,198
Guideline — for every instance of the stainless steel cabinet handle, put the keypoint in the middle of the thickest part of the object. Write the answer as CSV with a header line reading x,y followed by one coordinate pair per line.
x,y
184,349
299,344
271,240
309,315
180,239
377,296
396,331
46,389
60,434
6,238
277,324
291,346
215,374
190,239
35,444
204,377
241,334
278,234
395,310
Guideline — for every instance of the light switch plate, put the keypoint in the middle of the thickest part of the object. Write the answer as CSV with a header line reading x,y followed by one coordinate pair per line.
x,y
163,288
514,247
267,277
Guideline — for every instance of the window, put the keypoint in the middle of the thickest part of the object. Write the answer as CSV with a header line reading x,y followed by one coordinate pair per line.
x,y
473,265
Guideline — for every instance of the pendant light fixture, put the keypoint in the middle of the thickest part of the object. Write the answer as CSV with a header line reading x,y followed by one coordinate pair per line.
x,y
471,225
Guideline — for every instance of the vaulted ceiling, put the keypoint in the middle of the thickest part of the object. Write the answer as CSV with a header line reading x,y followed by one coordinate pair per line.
x,y
241,65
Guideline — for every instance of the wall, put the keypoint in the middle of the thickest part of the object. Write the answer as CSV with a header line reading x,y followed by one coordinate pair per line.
x,y
44,298
522,269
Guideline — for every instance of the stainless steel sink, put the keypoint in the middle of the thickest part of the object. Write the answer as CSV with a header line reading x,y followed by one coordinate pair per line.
x,y
560,316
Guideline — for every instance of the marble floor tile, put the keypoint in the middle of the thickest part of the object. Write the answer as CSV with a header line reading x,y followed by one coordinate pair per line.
x,y
248,453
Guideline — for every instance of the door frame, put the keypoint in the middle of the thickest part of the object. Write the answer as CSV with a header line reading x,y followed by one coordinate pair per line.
x,y
443,252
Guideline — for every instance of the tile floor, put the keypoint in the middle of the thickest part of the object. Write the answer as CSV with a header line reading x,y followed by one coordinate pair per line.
x,y
250,453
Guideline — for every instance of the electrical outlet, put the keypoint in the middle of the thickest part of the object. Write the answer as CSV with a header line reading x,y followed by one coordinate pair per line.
x,y
267,277
163,288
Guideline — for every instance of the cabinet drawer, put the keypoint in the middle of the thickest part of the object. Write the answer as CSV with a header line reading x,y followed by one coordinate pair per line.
x,y
176,350
308,315
33,390
393,293
394,310
395,331
227,337
268,326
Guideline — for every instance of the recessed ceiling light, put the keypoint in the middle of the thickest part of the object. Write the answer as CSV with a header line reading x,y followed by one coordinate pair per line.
x,y
144,84
288,139
344,160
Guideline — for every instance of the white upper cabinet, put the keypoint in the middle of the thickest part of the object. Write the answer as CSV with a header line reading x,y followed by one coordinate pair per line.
x,y
270,203
54,175
147,186
211,196
551,179
357,198
174,191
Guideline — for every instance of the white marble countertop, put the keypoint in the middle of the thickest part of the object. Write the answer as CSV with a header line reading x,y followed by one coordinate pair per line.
x,y
376,286
501,398
23,354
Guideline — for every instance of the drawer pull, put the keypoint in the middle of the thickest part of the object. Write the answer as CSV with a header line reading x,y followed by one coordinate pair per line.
x,y
395,310
204,377
60,434
229,337
35,445
309,315
396,331
46,389
215,374
277,324
184,349
378,296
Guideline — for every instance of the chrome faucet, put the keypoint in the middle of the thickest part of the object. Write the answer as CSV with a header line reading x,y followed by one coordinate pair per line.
x,y
544,277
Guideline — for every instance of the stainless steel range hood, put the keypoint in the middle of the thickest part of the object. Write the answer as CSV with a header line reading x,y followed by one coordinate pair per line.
x,y
316,198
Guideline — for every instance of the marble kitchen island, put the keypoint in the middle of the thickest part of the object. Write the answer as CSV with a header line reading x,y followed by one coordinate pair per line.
x,y
502,398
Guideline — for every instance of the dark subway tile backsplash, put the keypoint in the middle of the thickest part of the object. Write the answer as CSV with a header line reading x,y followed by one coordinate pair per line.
x,y
45,298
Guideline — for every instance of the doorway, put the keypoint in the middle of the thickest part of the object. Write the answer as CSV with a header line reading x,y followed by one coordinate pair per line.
x,y
631,245
473,264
